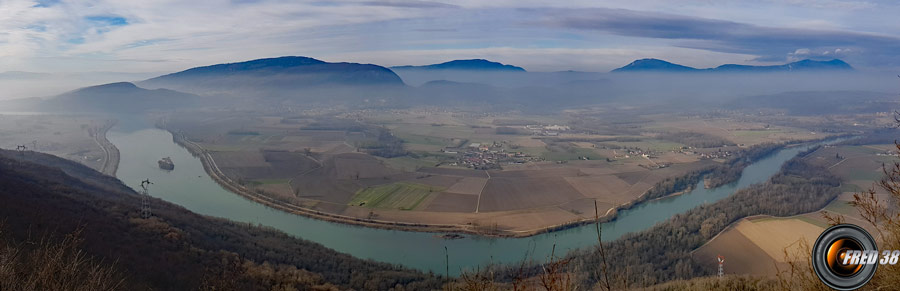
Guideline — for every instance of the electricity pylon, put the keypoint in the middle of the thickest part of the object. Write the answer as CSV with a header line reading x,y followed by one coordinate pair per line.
x,y
721,260
145,199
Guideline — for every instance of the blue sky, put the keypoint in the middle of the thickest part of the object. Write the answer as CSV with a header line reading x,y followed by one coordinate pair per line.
x,y
165,36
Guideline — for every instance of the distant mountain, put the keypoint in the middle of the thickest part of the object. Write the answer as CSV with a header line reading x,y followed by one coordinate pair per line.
x,y
465,65
804,65
274,76
656,65
653,65
116,98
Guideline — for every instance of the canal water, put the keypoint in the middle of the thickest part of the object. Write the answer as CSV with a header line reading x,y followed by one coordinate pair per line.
x,y
188,185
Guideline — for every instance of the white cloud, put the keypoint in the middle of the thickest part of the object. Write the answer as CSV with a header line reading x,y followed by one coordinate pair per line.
x,y
169,35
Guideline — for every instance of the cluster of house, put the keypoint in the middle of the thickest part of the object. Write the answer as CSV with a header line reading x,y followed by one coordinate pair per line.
x,y
654,166
635,152
720,154
546,130
487,156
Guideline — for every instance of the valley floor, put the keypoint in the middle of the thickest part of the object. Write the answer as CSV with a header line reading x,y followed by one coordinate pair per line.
x,y
457,172
763,245
76,137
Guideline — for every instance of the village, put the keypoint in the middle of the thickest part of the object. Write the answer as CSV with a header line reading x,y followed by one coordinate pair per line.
x,y
488,156
718,154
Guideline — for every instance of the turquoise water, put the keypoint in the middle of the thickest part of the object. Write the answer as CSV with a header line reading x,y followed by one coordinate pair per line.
x,y
189,186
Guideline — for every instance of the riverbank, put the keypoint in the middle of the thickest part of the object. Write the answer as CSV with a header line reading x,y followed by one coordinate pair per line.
x,y
110,153
190,186
217,175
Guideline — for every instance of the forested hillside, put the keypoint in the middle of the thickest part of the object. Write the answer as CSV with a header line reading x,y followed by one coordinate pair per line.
x,y
662,253
173,250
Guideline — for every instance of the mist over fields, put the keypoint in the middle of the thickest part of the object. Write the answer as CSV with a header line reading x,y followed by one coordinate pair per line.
x,y
17,84
655,86
447,145
289,82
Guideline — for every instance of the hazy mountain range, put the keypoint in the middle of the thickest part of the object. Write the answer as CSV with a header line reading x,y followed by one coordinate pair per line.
x,y
121,97
273,75
465,65
656,65
301,81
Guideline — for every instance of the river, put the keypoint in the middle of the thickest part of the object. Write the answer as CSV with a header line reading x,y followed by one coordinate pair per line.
x,y
189,186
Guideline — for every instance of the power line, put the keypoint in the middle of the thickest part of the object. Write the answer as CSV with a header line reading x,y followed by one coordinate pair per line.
x,y
145,199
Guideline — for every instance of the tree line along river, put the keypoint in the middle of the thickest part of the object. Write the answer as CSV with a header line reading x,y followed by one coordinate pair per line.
x,y
140,148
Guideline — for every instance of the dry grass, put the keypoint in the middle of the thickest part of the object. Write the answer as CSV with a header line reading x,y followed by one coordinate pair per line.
x,y
882,215
742,255
776,234
48,265
502,194
468,185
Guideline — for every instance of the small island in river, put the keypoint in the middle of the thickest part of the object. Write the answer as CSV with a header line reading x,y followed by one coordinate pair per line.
x,y
166,164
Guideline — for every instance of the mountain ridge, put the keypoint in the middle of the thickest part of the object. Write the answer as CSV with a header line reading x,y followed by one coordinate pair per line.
x,y
119,97
657,65
297,66
465,65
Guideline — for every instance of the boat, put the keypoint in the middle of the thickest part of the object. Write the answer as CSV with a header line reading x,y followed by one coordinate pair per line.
x,y
450,236
166,164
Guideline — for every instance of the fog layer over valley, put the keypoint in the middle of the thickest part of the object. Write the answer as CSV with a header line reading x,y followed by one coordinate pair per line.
x,y
483,161
289,82
19,84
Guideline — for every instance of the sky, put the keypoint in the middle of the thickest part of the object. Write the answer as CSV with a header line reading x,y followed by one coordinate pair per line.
x,y
161,36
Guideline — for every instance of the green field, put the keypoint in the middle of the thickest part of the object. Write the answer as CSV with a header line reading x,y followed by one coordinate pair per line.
x,y
847,187
572,154
224,148
756,133
411,164
652,144
799,217
400,195
864,174
271,181
423,139
842,207
531,151
438,132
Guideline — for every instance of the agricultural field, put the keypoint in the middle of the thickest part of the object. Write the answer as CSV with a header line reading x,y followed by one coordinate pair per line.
x,y
756,245
509,171
468,185
66,136
739,131
762,241
775,235
858,166
526,192
401,195
742,256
